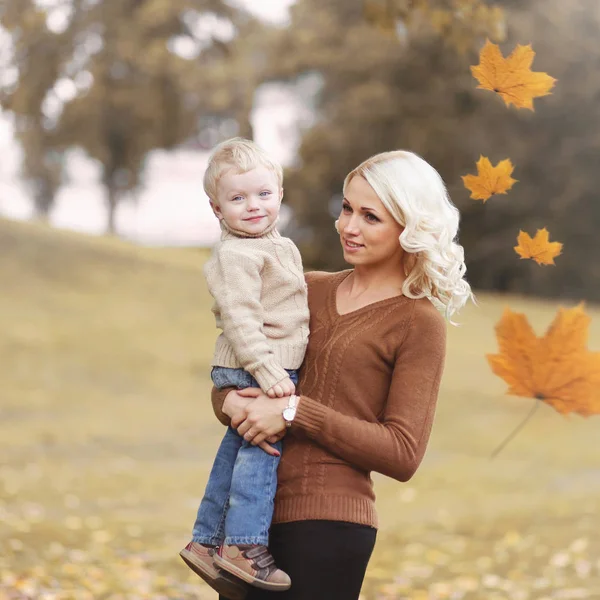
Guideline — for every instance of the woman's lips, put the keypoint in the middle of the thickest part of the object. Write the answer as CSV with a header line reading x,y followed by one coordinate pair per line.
x,y
352,246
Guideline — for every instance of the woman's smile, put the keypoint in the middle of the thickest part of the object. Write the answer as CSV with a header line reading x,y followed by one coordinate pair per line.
x,y
352,246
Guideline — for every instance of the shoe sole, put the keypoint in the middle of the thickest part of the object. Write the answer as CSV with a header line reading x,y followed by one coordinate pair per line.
x,y
218,581
250,579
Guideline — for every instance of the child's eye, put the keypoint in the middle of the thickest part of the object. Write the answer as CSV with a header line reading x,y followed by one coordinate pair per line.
x,y
265,193
235,198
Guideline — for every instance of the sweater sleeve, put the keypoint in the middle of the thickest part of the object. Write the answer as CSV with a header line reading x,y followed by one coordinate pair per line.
x,y
235,283
217,397
396,444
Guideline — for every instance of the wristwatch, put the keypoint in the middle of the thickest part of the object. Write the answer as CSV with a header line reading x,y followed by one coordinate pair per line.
x,y
289,412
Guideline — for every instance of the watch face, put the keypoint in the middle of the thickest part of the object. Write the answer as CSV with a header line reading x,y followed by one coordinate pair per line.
x,y
289,413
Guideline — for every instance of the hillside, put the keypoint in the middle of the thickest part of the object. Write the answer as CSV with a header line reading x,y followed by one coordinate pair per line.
x,y
106,438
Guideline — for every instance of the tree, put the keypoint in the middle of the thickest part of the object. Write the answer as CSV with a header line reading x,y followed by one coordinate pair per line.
x,y
378,93
409,88
36,55
148,74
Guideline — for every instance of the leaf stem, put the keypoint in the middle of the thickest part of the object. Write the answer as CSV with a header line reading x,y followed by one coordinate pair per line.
x,y
515,431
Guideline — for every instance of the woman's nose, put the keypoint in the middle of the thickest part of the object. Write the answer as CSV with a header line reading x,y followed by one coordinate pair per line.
x,y
351,225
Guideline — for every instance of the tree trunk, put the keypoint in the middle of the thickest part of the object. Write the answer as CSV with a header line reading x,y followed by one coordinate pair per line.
x,y
111,206
41,209
44,195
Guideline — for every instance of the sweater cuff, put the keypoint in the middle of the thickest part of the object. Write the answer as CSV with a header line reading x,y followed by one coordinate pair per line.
x,y
310,416
268,374
218,398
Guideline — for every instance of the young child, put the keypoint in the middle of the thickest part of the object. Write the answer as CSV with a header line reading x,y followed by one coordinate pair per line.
x,y
256,279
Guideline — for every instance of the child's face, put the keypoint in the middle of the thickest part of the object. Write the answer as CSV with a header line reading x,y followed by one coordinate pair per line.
x,y
250,201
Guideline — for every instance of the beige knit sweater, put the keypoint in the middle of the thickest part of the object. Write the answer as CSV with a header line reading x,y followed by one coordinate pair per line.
x,y
260,304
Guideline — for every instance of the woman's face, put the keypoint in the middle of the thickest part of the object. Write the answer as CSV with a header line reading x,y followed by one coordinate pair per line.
x,y
369,234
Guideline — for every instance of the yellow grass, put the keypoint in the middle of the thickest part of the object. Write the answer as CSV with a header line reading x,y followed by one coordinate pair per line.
x,y
106,438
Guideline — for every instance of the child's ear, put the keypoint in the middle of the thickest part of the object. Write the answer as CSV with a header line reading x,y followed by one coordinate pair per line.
x,y
281,194
216,209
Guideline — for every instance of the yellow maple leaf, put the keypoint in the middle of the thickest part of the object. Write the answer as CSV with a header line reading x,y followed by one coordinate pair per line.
x,y
489,180
556,368
511,78
539,248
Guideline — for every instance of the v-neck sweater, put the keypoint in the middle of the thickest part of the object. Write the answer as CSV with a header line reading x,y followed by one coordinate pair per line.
x,y
368,390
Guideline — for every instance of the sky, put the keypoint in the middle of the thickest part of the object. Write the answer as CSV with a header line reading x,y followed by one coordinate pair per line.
x,y
270,10
172,208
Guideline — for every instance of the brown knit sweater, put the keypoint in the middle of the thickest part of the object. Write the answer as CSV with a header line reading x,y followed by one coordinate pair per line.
x,y
368,385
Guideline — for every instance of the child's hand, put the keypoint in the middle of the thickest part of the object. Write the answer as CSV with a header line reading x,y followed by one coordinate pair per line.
x,y
283,388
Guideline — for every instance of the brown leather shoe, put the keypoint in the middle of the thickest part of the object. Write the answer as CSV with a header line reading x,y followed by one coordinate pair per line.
x,y
200,559
254,565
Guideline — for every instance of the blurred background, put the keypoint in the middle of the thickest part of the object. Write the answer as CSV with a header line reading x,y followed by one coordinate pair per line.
x,y
108,111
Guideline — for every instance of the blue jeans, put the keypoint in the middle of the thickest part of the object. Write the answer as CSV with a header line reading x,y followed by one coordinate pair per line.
x,y
237,506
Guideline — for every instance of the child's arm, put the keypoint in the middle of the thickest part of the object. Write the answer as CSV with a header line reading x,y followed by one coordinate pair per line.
x,y
234,280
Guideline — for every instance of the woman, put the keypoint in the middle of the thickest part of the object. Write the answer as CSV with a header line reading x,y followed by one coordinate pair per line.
x,y
370,379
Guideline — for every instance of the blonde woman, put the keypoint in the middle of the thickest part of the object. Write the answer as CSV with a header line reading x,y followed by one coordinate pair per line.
x,y
369,382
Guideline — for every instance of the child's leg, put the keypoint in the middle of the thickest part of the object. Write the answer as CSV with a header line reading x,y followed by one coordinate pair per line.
x,y
244,552
252,491
210,521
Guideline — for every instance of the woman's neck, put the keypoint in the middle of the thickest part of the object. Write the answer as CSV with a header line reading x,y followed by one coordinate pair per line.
x,y
369,279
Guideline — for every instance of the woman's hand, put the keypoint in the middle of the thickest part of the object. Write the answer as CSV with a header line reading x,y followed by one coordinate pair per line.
x,y
235,406
236,401
263,418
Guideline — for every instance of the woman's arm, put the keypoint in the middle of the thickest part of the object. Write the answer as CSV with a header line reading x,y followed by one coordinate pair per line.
x,y
394,446
217,397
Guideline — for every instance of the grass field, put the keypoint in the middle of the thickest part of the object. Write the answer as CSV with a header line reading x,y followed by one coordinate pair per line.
x,y
106,438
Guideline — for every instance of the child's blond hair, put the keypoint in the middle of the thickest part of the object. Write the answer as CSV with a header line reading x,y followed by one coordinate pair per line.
x,y
239,154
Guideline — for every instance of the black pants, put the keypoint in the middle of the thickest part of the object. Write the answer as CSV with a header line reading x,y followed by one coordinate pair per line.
x,y
326,560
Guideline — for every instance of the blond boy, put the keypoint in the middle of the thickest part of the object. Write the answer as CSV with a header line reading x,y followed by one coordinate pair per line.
x,y
256,279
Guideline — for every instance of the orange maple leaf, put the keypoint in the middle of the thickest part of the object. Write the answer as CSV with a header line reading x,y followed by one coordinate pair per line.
x,y
539,248
511,78
490,180
556,368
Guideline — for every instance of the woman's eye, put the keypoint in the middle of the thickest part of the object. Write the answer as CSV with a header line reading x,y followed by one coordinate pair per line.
x,y
346,208
371,218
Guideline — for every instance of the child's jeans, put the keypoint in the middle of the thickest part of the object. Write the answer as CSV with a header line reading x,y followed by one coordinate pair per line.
x,y
237,506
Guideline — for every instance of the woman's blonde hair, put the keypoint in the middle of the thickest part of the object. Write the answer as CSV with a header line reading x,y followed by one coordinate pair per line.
x,y
239,154
414,194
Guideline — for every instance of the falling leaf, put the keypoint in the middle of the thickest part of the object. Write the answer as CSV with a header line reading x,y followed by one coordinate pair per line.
x,y
490,180
539,248
511,78
557,368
